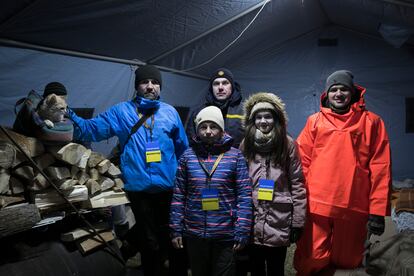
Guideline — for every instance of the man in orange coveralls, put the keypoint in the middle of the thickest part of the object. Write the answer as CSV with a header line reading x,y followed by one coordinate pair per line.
x,y
346,162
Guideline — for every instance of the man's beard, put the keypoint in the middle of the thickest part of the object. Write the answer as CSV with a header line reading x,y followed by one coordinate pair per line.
x,y
150,95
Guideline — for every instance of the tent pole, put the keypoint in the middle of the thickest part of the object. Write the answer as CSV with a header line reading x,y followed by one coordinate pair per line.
x,y
221,25
400,3
18,44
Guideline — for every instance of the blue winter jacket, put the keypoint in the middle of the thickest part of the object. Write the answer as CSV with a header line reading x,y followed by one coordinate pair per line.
x,y
168,131
233,220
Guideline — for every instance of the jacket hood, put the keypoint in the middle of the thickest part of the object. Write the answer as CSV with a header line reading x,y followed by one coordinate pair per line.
x,y
264,97
147,106
357,101
223,145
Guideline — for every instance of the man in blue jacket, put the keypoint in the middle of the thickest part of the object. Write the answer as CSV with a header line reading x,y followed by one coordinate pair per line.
x,y
148,161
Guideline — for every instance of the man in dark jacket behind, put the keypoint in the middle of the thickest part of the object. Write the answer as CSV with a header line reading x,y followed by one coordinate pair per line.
x,y
224,93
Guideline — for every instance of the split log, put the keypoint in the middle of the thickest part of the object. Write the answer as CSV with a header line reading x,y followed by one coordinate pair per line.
x,y
95,159
49,199
8,200
84,159
58,173
119,184
113,171
67,184
94,174
18,219
30,145
106,199
4,181
93,186
82,177
16,186
24,172
106,183
82,232
103,166
91,243
45,160
74,170
7,155
39,183
70,153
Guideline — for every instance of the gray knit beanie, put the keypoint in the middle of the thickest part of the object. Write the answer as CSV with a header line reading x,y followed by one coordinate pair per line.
x,y
210,113
343,77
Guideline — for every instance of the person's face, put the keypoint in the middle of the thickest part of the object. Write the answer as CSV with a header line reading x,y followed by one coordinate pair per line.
x,y
149,89
264,121
221,89
339,96
209,132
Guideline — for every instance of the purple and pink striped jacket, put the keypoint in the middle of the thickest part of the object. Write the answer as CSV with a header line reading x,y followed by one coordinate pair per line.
x,y
233,220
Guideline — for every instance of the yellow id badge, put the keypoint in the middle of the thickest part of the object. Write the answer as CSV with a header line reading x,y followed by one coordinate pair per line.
x,y
266,187
153,152
209,199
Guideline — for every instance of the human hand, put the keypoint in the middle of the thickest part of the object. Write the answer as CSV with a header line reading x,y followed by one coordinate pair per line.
x,y
177,242
376,224
295,234
238,246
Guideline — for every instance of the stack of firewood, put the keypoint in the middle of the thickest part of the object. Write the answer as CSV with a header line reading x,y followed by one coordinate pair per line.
x,y
81,174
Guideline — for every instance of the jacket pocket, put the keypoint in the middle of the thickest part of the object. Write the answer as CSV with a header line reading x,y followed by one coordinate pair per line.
x,y
280,211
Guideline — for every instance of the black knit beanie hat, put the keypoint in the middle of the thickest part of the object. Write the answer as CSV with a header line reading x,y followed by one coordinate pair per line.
x,y
222,73
147,72
343,77
54,88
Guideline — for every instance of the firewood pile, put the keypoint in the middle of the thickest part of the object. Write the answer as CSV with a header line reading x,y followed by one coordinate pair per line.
x,y
81,174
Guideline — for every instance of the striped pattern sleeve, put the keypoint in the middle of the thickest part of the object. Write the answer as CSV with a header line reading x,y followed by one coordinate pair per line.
x,y
244,202
179,198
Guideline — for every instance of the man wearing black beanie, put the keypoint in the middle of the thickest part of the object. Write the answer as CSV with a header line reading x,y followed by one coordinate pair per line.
x,y
224,93
346,162
148,82
148,160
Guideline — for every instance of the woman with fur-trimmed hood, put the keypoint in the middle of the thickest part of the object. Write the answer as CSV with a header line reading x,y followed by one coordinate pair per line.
x,y
279,194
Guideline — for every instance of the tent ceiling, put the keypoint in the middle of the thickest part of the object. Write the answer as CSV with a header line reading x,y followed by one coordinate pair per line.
x,y
145,30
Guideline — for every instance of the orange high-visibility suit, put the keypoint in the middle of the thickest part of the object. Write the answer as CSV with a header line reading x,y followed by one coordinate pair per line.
x,y
347,166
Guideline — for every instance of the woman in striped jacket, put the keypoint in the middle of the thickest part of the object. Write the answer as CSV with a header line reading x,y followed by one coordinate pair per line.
x,y
211,207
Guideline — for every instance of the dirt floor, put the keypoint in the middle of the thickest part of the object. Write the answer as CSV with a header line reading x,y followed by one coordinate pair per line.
x,y
289,270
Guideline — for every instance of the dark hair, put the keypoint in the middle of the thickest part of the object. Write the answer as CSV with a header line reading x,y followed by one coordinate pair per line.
x,y
279,151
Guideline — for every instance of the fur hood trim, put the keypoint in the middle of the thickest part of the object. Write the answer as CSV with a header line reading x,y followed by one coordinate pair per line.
x,y
264,97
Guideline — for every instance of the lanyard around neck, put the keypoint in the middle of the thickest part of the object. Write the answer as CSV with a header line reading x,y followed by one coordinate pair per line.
x,y
213,169
151,126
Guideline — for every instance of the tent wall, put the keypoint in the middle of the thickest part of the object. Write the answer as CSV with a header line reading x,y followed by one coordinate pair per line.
x,y
90,83
297,72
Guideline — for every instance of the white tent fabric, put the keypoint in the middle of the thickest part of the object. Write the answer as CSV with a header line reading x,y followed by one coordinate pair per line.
x,y
278,53
296,71
90,83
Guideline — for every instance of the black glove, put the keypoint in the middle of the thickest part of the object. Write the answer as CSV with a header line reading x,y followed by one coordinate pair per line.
x,y
376,224
295,234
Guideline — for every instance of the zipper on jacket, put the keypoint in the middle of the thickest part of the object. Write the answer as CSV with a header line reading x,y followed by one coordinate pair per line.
x,y
267,164
262,236
208,179
205,212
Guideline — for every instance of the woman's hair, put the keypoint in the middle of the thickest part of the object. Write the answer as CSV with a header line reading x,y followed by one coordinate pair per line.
x,y
279,150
